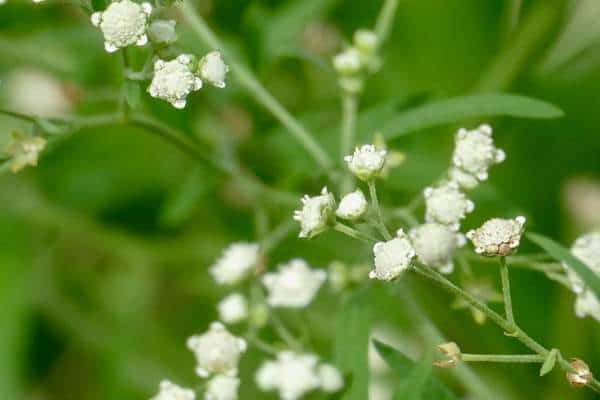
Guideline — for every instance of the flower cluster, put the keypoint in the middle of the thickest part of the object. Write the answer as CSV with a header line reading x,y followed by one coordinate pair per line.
x,y
497,237
356,60
587,249
123,24
447,205
435,245
316,214
392,257
474,154
293,375
236,263
294,285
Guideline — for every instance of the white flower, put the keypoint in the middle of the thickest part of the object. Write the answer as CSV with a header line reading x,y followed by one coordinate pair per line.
x,y
174,80
392,257
217,351
352,206
292,375
587,304
123,24
294,285
497,237
24,150
170,391
435,245
23,88
475,152
331,378
316,214
447,205
366,162
347,62
587,249
213,69
463,179
365,40
162,32
236,263
222,387
233,308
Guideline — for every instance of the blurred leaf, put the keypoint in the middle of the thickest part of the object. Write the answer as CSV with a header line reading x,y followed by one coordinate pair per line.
x,y
304,55
459,109
352,344
132,94
559,253
185,199
421,381
549,362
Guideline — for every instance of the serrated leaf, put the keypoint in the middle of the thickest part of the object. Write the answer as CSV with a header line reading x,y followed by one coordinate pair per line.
x,y
461,109
403,366
352,344
549,363
559,253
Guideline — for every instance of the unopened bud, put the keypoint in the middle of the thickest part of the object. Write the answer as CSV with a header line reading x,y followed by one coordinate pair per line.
x,y
451,353
580,375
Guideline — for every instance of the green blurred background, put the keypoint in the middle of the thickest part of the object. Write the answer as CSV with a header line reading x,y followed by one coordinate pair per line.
x,y
104,247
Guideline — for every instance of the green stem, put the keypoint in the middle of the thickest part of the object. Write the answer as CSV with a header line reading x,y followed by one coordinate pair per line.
x,y
260,344
348,133
503,358
375,205
284,332
506,291
246,79
353,233
517,332
277,235
383,25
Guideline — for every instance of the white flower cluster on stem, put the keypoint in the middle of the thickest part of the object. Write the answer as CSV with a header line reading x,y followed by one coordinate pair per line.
x,y
587,249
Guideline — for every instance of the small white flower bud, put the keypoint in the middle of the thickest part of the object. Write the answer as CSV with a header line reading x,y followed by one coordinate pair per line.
x,y
233,309
348,62
217,351
170,391
392,257
316,214
365,41
475,152
292,375
331,378
174,80
213,69
447,205
236,263
497,237
352,206
366,162
162,32
435,245
294,285
123,24
222,387
24,150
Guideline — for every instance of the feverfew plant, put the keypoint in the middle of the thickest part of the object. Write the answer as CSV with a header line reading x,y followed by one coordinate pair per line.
x,y
259,295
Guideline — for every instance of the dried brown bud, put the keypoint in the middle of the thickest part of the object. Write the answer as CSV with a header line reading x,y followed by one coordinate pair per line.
x,y
452,355
580,375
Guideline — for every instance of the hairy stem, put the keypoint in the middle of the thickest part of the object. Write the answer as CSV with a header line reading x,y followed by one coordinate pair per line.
x,y
246,79
380,225
503,358
353,233
506,291
348,133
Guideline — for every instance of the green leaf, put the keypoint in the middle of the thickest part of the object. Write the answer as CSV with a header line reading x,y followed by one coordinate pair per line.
x,y
460,109
352,344
185,199
404,367
549,362
559,253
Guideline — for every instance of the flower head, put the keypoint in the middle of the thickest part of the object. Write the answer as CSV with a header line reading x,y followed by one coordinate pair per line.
x,y
162,32
497,237
452,355
587,303
213,69
352,206
217,351
447,205
294,285
365,41
475,152
435,245
392,257
316,213
463,179
236,263
170,391
222,387
123,24
331,378
233,308
292,375
24,150
587,249
366,162
174,80
580,374
347,62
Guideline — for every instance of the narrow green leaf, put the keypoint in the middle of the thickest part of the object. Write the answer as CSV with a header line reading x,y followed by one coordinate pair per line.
x,y
352,344
461,109
404,367
413,386
185,199
549,363
559,253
